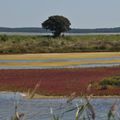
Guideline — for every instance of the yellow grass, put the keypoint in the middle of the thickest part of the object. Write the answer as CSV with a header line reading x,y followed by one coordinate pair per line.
x,y
59,56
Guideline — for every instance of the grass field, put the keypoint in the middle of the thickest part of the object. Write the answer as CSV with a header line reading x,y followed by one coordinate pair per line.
x,y
46,44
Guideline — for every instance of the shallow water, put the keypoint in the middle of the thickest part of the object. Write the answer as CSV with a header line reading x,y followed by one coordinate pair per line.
x,y
60,67
39,109
52,60
60,60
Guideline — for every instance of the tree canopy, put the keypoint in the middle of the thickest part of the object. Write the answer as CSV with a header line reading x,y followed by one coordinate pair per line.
x,y
57,24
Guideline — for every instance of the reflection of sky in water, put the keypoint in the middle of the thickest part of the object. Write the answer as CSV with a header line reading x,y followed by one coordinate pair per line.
x,y
52,60
60,67
60,60
39,109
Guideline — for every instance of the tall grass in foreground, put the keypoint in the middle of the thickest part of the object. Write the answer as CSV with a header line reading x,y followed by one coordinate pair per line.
x,y
84,111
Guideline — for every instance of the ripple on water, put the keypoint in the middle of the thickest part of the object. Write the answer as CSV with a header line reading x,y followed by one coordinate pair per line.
x,y
39,109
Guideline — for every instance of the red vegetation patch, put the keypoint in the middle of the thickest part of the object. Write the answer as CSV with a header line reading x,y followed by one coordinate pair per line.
x,y
58,81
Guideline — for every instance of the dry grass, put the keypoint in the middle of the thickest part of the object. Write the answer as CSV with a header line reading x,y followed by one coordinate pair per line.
x,y
59,55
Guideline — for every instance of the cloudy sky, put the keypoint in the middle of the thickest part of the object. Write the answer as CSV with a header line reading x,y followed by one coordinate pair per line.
x,y
81,13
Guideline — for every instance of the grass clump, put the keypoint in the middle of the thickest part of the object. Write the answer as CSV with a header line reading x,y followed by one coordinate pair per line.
x,y
111,81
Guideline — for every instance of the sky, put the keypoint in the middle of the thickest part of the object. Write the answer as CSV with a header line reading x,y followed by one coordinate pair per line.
x,y
81,13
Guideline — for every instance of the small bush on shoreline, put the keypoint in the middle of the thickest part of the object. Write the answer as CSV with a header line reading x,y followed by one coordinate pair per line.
x,y
111,81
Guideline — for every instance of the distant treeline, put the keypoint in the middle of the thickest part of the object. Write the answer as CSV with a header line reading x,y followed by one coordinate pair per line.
x,y
73,30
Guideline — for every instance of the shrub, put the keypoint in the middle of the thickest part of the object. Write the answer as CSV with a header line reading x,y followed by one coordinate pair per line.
x,y
3,38
111,81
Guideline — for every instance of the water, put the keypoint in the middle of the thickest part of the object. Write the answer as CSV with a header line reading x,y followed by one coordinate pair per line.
x,y
61,67
40,109
24,33
60,60
68,34
52,60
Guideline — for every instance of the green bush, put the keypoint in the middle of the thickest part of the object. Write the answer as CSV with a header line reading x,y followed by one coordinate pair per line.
x,y
3,38
111,81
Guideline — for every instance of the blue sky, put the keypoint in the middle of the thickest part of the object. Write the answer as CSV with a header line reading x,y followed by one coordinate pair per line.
x,y
81,13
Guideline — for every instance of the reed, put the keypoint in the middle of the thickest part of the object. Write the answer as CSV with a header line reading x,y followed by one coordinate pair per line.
x,y
84,111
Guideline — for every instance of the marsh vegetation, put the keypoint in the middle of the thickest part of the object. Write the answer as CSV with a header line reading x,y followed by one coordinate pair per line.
x,y
65,44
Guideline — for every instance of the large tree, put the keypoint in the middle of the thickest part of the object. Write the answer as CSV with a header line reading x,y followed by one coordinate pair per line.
x,y
57,24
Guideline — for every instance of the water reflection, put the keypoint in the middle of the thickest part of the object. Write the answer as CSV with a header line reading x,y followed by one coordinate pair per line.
x,y
40,109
